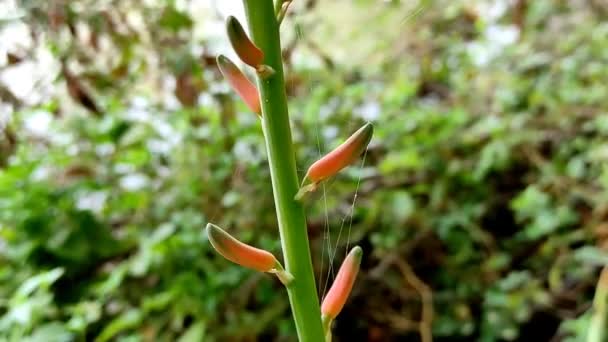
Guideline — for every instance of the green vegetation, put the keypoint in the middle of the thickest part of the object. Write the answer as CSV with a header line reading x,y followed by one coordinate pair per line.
x,y
480,206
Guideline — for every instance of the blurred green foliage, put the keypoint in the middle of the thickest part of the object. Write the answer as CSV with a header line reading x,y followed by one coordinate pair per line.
x,y
487,174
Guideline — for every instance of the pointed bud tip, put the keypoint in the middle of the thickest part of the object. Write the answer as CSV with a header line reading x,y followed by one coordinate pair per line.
x,y
221,59
353,259
225,64
242,45
357,252
232,23
210,228
368,131
216,235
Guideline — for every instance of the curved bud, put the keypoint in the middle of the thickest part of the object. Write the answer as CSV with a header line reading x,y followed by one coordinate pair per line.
x,y
264,71
283,11
336,160
242,45
343,284
342,156
240,253
240,83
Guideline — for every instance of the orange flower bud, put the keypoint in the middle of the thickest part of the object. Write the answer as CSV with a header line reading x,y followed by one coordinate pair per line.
x,y
342,156
242,45
336,160
343,284
240,253
241,84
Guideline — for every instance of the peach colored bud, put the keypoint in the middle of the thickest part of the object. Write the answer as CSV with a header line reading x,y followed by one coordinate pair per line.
x,y
343,284
240,83
342,156
238,252
242,45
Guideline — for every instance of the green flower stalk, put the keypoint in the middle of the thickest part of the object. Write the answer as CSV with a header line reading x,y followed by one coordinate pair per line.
x,y
302,291
263,52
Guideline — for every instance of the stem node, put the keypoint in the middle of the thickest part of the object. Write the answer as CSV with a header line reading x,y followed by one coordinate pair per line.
x,y
264,71
283,11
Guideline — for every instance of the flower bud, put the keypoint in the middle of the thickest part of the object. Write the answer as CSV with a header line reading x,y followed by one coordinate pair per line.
x,y
343,284
240,253
240,83
242,45
342,156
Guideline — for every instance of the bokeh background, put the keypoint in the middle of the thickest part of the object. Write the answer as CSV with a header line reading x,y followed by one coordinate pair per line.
x,y
481,204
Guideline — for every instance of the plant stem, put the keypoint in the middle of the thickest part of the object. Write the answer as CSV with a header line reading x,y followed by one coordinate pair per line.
x,y
302,291
599,319
278,6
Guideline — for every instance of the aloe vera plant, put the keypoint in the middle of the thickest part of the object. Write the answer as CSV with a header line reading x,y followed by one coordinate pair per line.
x,y
262,52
